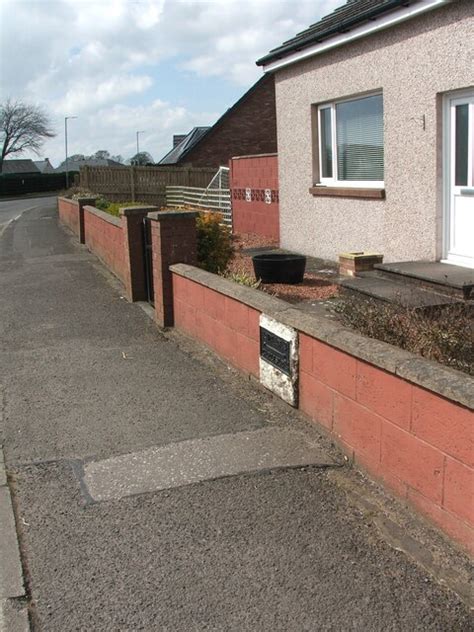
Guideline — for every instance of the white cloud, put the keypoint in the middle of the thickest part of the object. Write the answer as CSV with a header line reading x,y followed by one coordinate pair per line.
x,y
95,59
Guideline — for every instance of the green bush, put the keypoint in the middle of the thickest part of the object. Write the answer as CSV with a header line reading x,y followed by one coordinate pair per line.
x,y
214,243
242,277
113,208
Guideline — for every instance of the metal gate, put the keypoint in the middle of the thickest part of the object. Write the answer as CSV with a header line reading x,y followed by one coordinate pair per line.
x,y
215,197
148,260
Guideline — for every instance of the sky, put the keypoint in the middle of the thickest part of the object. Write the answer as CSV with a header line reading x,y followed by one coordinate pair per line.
x,y
122,66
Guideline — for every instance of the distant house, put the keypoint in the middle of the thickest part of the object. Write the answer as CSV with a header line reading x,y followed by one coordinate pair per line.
x,y
248,127
375,125
75,165
20,166
44,166
182,145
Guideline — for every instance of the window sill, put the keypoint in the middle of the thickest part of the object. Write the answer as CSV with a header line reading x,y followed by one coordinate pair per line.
x,y
348,192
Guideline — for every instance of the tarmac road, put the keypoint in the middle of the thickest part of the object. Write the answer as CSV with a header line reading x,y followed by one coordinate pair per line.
x,y
87,377
12,209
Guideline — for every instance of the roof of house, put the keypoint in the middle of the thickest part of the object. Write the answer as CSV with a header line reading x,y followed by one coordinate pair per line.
x,y
75,165
182,148
185,146
19,166
44,165
352,14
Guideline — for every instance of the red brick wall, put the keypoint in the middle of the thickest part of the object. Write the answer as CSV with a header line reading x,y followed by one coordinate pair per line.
x,y
248,128
227,326
69,214
413,440
106,241
256,173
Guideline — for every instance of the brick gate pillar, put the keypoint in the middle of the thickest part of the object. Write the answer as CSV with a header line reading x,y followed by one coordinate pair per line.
x,y
83,201
174,240
132,225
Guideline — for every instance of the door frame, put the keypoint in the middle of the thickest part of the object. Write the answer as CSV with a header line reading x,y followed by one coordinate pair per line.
x,y
447,170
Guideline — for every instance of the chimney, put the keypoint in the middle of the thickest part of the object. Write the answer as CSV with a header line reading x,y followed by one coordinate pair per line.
x,y
177,138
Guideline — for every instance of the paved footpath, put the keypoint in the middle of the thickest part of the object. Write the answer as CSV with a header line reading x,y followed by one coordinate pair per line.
x,y
154,490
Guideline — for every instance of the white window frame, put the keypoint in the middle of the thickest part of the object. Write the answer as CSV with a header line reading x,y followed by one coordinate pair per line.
x,y
334,181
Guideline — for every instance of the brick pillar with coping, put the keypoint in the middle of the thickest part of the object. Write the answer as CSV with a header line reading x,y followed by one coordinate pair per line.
x,y
132,225
83,201
174,240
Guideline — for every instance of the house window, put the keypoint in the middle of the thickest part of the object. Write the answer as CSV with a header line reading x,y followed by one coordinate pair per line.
x,y
351,142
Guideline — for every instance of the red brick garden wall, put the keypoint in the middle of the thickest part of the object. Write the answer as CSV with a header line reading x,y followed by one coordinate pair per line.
x,y
255,177
224,324
104,237
69,214
413,440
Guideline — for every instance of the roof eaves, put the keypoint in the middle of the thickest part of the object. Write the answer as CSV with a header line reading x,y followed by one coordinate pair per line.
x,y
300,41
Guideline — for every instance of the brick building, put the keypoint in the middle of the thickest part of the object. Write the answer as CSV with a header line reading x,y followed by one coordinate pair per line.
x,y
248,127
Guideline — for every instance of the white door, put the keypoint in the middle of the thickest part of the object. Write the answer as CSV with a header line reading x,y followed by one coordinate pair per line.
x,y
459,176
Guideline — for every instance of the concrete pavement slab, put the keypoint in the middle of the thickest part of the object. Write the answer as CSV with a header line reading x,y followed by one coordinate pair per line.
x,y
197,460
11,578
13,619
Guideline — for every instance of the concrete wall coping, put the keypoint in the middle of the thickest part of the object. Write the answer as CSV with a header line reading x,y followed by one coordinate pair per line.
x,y
107,217
66,199
137,210
158,216
449,383
254,156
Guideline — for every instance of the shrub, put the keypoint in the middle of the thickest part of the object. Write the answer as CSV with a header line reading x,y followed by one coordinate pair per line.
x,y
74,193
112,207
444,334
214,243
242,277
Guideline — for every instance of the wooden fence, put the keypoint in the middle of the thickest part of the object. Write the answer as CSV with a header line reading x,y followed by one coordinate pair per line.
x,y
142,184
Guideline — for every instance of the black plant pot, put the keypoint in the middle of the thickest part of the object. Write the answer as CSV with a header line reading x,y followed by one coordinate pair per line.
x,y
279,268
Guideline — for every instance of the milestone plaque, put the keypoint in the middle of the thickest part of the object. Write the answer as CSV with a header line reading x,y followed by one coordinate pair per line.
x,y
275,350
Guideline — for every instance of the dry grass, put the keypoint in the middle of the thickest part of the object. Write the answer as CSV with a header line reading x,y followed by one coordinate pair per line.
x,y
444,334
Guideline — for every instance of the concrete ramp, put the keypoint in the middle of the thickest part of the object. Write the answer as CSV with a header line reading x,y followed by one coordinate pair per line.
x,y
192,461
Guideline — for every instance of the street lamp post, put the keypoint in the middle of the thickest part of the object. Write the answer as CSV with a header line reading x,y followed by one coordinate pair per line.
x,y
65,144
138,142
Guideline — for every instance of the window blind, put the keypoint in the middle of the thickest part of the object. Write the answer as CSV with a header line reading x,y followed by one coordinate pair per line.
x,y
359,134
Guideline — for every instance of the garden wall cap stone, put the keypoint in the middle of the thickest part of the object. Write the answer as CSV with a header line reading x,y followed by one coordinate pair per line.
x,y
452,384
107,217
359,255
137,209
251,297
66,199
158,216
447,382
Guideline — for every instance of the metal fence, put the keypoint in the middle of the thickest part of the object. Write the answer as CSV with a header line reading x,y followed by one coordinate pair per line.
x,y
215,197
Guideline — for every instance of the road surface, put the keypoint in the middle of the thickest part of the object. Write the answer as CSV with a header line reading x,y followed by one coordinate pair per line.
x,y
13,208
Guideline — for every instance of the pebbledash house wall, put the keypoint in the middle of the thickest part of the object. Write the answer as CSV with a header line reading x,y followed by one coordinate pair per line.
x,y
413,64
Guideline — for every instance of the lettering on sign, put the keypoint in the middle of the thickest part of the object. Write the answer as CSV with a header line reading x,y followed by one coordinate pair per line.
x,y
275,350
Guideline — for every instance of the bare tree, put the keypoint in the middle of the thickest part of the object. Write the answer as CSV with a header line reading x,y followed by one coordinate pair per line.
x,y
22,127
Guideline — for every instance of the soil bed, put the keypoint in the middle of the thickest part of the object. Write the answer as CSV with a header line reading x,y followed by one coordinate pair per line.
x,y
313,287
